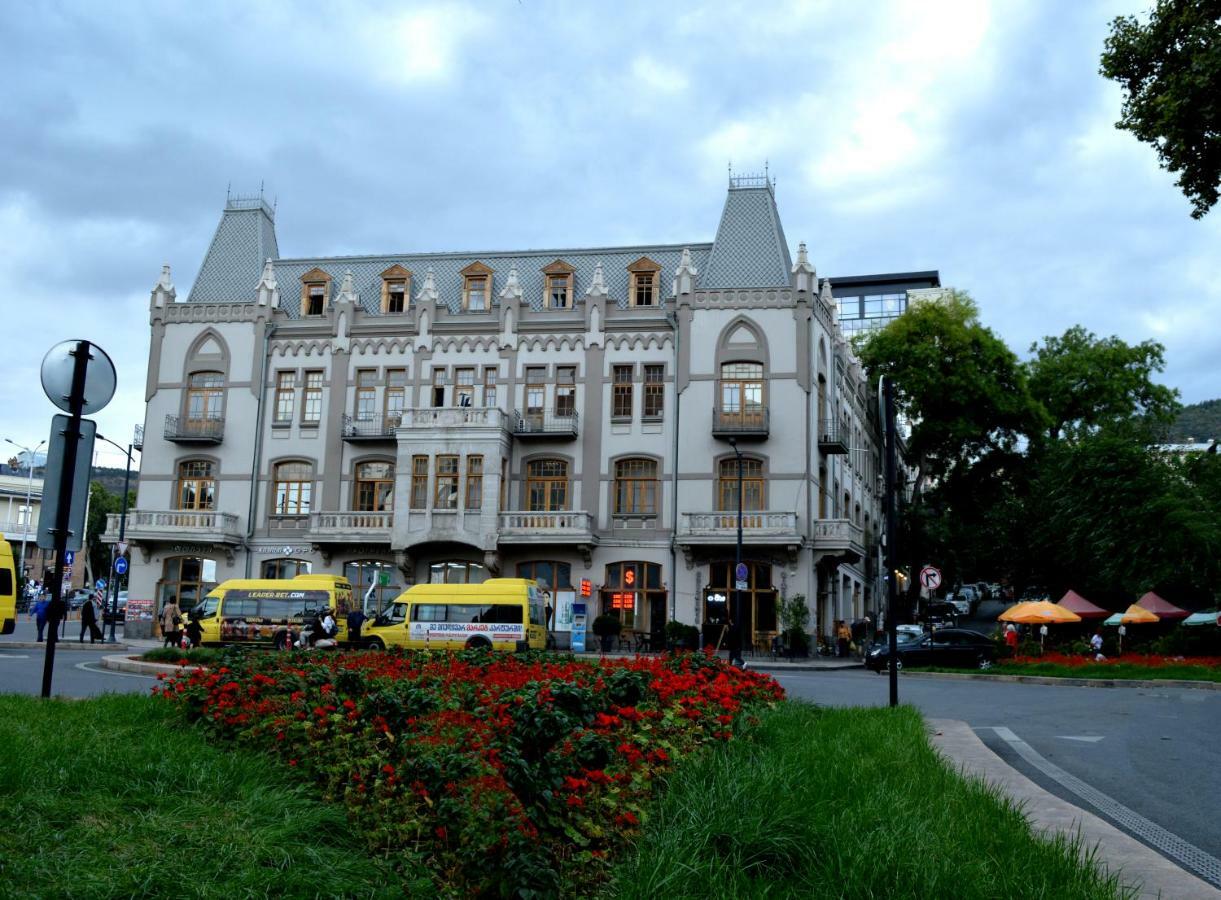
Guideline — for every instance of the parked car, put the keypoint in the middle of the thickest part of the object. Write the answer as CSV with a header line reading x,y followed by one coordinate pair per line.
x,y
951,647
941,614
121,614
76,599
961,601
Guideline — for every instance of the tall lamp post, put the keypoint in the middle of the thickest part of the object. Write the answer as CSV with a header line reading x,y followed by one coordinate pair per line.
x,y
114,581
29,488
735,633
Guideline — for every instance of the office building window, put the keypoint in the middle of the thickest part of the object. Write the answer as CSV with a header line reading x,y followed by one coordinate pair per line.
x,y
285,397
546,485
315,299
293,484
654,392
374,490
565,391
456,572
474,482
419,482
636,487
464,387
645,278
489,386
752,484
551,575
475,293
438,387
621,392
285,568
558,294
366,395
396,290
205,397
536,393
396,396
311,407
446,495
196,485
742,393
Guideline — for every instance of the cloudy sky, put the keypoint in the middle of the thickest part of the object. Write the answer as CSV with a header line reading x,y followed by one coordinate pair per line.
x,y
975,138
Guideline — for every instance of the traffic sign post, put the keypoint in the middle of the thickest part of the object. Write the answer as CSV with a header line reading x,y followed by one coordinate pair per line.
x,y
930,578
120,566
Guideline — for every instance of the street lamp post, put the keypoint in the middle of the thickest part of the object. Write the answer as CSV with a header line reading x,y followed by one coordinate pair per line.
x,y
735,634
29,489
114,581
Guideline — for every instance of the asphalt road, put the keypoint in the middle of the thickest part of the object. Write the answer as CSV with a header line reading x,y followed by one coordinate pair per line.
x,y
77,672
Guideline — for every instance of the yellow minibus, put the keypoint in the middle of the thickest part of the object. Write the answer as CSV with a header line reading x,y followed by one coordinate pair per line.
x,y
8,590
500,613
270,611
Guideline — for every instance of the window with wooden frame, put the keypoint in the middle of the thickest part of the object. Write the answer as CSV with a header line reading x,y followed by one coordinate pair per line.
x,y
311,406
464,387
374,487
366,395
474,482
558,282
286,396
741,391
476,287
396,396
419,482
196,485
205,397
546,485
644,283
396,290
445,495
315,293
636,487
536,393
565,391
293,484
438,387
654,392
752,484
621,392
489,386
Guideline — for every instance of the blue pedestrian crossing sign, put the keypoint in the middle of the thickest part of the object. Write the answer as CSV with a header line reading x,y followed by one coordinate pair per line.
x,y
120,566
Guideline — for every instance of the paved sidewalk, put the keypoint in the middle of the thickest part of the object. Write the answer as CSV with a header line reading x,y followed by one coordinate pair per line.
x,y
1137,864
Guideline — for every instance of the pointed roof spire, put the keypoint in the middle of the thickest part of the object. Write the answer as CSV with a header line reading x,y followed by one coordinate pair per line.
x,y
164,281
750,250
163,290
825,296
804,270
512,288
244,238
346,291
684,275
429,290
597,286
268,291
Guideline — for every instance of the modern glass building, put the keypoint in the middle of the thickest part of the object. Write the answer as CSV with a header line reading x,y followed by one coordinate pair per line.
x,y
870,302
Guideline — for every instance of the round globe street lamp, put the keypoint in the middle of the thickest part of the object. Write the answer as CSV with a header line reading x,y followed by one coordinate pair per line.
x,y
29,488
114,581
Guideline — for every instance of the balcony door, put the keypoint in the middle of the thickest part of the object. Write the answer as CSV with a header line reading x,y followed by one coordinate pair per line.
x,y
374,490
547,485
205,398
752,492
742,395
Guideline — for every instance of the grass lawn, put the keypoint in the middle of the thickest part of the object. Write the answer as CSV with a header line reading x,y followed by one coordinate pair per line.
x,y
110,797
842,803
1119,670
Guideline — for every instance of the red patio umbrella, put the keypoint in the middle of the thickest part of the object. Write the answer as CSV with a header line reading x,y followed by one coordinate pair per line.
x,y
1074,602
1161,608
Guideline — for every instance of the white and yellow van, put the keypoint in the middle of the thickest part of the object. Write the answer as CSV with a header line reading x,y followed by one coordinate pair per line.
x,y
8,590
264,611
500,613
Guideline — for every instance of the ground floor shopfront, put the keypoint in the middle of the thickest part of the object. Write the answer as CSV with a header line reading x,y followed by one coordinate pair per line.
x,y
639,583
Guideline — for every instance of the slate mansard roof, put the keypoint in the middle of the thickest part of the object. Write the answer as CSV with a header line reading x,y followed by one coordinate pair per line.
x,y
749,252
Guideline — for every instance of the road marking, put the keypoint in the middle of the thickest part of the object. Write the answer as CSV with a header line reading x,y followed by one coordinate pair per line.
x,y
1171,845
102,670
1084,738
14,656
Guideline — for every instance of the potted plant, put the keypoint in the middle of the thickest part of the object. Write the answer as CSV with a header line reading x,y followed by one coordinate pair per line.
x,y
794,617
681,637
606,627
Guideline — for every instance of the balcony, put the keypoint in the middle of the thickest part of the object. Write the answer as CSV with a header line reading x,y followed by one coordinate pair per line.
x,y
358,430
545,423
452,417
174,525
344,527
759,528
832,437
183,430
744,425
839,537
538,528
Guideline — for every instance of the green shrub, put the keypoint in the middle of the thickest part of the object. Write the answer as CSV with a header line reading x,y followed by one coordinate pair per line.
x,y
196,656
607,626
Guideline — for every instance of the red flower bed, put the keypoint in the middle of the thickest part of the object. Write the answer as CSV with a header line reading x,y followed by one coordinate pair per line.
x,y
496,773
1151,660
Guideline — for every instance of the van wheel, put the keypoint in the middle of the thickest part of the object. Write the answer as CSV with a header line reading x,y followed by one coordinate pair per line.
x,y
478,643
375,644
282,642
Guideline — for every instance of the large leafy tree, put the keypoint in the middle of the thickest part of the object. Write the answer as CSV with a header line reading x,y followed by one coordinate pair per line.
x,y
1087,383
1170,70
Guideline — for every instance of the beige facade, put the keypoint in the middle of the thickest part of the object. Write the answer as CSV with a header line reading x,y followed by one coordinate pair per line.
x,y
565,414
19,522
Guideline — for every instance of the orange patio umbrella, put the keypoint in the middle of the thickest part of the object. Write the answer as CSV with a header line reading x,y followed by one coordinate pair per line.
x,y
1038,612
1137,615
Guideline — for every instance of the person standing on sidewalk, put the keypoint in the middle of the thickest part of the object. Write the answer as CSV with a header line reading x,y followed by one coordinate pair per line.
x,y
843,635
89,620
356,621
171,618
41,606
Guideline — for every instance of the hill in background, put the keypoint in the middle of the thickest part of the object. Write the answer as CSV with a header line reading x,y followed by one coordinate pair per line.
x,y
1197,423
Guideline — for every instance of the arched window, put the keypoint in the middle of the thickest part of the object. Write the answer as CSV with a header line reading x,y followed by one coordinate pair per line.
x,y
456,571
742,394
375,584
752,484
294,485
636,487
196,485
286,568
633,593
185,580
374,488
205,396
546,485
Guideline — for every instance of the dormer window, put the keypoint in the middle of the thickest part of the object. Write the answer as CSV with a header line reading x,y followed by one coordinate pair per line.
x,y
558,285
643,285
476,287
396,289
315,290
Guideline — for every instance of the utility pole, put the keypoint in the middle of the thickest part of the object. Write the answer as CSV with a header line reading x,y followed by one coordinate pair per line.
x,y
29,492
735,633
114,579
892,550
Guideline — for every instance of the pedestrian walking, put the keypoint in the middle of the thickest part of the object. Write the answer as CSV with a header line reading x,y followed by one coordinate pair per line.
x,y
843,637
1096,646
356,621
42,607
171,620
89,621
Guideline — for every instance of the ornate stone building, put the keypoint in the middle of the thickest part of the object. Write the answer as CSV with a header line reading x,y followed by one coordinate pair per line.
x,y
576,415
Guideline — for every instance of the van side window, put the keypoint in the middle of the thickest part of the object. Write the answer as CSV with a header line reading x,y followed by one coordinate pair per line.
x,y
428,612
503,613
398,612
275,609
464,613
241,608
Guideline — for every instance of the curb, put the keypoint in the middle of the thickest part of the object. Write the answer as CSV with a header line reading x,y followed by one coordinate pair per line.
x,y
59,645
1152,874
1070,682
142,667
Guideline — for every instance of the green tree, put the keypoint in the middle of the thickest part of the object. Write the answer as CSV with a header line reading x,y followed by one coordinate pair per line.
x,y
101,503
1170,71
1086,383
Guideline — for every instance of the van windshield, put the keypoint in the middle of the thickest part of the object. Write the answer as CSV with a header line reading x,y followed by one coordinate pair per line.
x,y
207,608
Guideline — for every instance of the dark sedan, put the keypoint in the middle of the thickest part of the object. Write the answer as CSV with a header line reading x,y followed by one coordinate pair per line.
x,y
957,648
